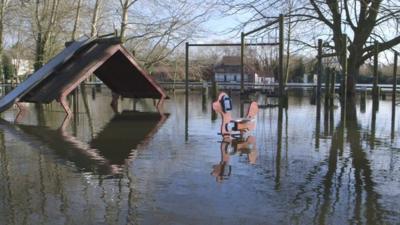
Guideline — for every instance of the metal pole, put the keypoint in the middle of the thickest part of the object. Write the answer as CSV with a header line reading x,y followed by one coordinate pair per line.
x,y
344,83
233,44
187,70
376,78
187,91
376,75
281,40
394,93
319,72
242,62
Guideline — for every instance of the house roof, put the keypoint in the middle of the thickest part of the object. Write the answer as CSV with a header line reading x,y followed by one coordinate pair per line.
x,y
230,60
231,64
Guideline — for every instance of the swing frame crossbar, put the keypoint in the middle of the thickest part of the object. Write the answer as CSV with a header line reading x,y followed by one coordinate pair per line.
x,y
242,45
232,44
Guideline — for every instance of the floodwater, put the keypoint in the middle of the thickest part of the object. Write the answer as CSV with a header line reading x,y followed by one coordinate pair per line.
x,y
143,167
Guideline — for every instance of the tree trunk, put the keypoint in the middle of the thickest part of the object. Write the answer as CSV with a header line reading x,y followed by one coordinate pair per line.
x,y
39,55
353,70
77,18
2,12
95,18
124,19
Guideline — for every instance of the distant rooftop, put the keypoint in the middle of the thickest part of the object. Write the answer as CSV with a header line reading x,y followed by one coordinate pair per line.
x,y
231,60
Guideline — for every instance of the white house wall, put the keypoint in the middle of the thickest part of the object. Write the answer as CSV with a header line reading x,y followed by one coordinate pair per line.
x,y
230,77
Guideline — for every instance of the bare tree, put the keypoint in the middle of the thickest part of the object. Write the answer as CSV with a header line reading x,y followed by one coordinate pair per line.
x,y
125,5
157,33
3,7
44,18
362,21
77,18
95,18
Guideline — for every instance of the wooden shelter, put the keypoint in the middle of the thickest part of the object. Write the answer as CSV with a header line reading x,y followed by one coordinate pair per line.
x,y
104,57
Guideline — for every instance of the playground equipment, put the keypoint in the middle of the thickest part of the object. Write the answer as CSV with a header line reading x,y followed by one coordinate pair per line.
x,y
104,57
223,106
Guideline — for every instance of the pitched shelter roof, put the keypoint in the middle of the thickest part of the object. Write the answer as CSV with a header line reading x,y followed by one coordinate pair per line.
x,y
104,57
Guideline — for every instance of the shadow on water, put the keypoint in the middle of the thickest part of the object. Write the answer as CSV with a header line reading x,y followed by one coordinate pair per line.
x,y
107,152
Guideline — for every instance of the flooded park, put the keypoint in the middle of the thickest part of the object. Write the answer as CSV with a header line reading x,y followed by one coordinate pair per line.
x,y
143,166
187,112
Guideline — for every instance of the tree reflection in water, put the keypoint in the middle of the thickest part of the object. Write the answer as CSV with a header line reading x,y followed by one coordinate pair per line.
x,y
353,165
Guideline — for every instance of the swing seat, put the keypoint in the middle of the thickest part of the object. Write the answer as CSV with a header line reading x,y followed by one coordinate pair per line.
x,y
243,124
223,106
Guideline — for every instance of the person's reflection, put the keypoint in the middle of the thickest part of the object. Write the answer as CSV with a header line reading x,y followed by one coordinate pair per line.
x,y
229,147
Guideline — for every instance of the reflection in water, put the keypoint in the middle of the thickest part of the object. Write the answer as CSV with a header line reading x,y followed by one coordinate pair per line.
x,y
84,172
279,149
104,154
243,146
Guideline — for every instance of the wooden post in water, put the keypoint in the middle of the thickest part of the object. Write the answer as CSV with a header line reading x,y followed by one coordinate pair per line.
x,y
326,101
214,91
281,49
363,100
332,89
375,91
327,87
394,93
214,88
93,92
242,63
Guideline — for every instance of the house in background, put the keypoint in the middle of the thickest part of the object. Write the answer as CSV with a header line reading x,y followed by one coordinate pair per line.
x,y
228,70
264,79
22,67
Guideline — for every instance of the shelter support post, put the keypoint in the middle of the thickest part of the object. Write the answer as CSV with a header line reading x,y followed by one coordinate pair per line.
x,y
160,105
21,112
114,101
64,103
